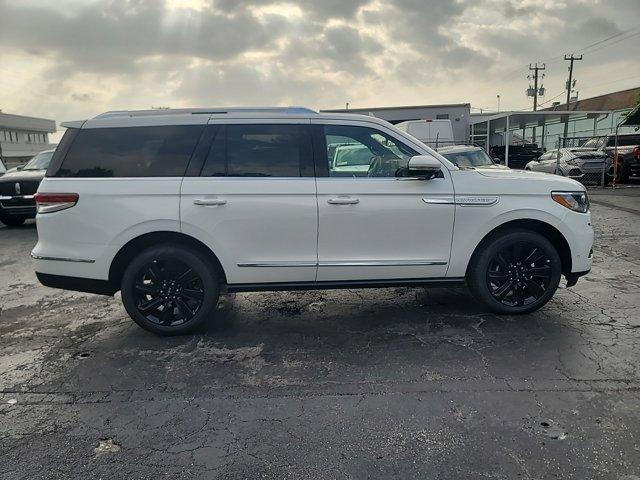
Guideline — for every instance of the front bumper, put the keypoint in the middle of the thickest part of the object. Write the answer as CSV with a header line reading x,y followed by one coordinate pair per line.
x,y
572,278
18,206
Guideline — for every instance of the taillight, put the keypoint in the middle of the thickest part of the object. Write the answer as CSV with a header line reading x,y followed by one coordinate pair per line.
x,y
636,153
54,202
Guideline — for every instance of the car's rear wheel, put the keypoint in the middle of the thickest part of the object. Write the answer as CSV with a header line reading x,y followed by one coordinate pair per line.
x,y
516,272
12,221
170,289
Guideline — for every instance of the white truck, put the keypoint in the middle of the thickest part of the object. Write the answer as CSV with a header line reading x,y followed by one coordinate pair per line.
x,y
434,133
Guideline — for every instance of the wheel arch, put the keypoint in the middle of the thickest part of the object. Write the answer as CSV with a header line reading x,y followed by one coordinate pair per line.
x,y
134,246
550,232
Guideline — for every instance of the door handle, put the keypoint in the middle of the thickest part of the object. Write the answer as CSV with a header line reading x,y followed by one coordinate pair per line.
x,y
209,201
343,201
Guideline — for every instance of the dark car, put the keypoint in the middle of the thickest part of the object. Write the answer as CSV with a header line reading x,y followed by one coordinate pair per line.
x,y
628,152
18,187
519,155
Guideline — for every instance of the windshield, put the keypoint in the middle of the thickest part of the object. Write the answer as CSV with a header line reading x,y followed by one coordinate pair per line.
x,y
594,143
352,155
39,162
470,158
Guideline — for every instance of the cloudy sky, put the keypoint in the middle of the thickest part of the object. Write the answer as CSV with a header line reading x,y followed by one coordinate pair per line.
x,y
69,59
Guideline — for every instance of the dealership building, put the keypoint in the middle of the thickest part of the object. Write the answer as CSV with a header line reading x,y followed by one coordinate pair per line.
x,y
458,113
22,137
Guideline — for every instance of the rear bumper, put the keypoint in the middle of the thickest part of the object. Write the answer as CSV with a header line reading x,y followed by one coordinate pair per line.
x,y
88,285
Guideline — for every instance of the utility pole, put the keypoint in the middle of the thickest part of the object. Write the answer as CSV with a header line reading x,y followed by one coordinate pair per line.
x,y
535,92
571,59
498,96
535,71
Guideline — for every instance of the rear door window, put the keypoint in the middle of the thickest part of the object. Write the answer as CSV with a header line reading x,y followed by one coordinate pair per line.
x,y
260,150
131,152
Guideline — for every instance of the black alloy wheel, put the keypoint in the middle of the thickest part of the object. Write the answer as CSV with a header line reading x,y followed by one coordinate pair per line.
x,y
515,271
12,221
168,292
519,274
170,289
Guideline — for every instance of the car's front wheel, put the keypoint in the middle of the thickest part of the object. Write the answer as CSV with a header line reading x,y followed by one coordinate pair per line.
x,y
516,272
12,221
170,289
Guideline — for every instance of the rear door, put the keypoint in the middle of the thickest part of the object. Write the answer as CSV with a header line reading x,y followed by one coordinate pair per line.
x,y
250,195
373,224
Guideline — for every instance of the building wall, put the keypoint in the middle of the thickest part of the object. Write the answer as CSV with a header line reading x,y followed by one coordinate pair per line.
x,y
22,137
459,115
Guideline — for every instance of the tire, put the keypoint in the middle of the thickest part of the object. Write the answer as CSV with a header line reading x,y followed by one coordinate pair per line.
x,y
170,289
498,272
623,174
12,221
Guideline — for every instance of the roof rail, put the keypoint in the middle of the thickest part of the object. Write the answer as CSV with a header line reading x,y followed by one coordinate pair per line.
x,y
206,111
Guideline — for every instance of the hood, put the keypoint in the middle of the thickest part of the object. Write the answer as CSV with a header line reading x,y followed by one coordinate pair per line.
x,y
495,166
22,175
532,178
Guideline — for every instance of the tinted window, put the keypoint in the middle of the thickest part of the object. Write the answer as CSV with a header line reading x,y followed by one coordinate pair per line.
x,y
364,152
131,152
255,150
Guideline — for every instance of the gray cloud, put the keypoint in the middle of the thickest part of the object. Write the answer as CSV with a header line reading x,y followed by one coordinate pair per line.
x,y
112,36
143,51
317,9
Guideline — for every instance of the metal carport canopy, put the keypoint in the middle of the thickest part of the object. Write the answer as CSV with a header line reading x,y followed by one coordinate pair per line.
x,y
519,120
633,119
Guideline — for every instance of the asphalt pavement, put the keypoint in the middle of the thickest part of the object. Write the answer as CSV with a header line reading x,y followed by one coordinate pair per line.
x,y
391,383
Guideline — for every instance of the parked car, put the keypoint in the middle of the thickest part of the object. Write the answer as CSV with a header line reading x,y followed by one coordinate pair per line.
x,y
351,160
628,152
519,155
17,188
582,164
173,208
433,133
469,156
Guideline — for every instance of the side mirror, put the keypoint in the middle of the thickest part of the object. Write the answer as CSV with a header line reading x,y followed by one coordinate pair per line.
x,y
19,167
423,167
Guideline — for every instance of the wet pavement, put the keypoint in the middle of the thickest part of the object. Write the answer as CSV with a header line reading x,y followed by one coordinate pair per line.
x,y
390,383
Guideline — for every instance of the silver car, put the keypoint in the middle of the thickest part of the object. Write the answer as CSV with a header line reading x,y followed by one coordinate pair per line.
x,y
582,164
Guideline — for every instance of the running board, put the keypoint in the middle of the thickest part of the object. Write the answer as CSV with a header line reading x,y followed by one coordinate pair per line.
x,y
402,282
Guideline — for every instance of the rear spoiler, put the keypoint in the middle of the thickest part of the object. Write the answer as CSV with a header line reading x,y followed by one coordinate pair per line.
x,y
73,124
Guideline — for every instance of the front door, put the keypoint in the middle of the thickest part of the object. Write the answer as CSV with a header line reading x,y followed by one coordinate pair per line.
x,y
375,223
253,201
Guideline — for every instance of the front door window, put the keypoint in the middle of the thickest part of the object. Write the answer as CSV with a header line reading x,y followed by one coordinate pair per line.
x,y
365,152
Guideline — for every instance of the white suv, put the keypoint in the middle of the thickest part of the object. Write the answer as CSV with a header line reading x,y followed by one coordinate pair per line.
x,y
175,207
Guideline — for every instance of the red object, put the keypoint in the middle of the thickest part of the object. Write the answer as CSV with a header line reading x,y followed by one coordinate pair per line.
x,y
42,198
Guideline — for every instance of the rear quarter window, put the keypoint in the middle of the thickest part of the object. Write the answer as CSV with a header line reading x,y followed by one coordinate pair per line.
x,y
131,152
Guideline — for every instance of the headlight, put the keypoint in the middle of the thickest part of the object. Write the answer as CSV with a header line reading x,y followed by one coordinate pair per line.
x,y
576,201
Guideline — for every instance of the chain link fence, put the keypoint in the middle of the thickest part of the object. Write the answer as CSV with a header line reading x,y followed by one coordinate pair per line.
x,y
571,158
